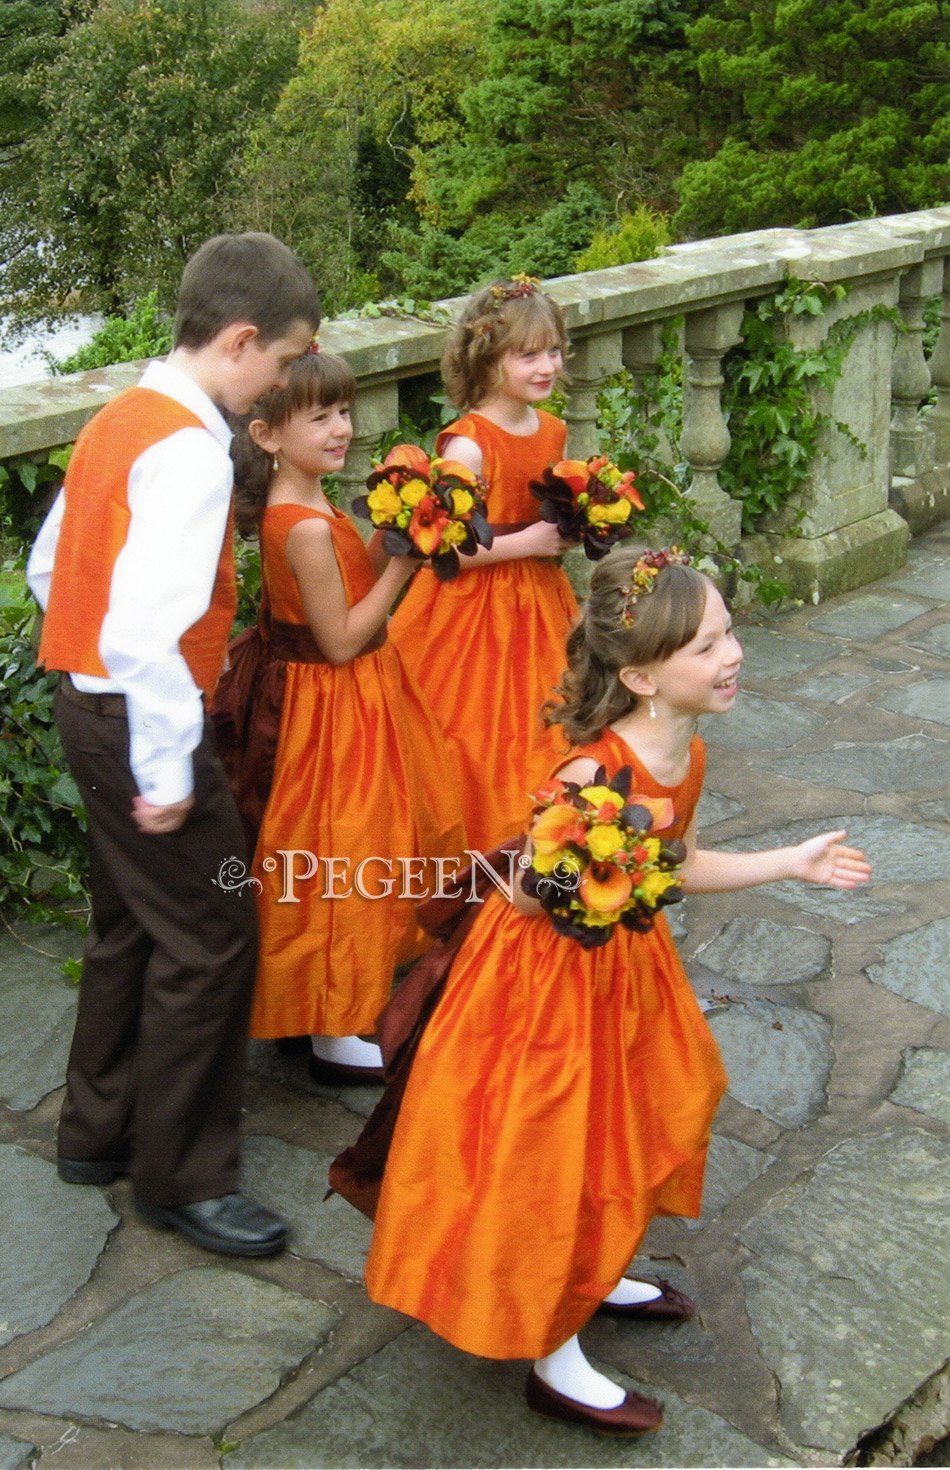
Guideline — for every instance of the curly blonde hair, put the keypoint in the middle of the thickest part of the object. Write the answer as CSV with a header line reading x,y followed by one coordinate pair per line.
x,y
611,634
488,328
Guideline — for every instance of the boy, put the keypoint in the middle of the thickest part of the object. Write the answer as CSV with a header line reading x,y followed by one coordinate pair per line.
x,y
135,569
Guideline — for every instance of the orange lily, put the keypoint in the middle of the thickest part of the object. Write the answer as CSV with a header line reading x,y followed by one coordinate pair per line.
x,y
604,888
429,519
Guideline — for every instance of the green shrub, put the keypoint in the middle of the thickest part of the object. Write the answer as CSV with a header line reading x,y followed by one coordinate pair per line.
x,y
43,856
638,236
145,332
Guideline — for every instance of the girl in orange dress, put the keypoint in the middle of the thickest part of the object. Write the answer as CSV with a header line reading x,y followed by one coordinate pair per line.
x,y
488,648
359,794
562,1096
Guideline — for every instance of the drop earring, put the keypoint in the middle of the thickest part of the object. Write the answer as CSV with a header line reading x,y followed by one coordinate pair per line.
x,y
652,709
276,464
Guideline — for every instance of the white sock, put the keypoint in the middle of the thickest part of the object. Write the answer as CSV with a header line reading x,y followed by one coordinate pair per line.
x,y
628,1292
567,1371
349,1051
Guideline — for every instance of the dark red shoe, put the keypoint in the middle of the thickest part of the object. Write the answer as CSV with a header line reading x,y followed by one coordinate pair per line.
x,y
636,1415
670,1306
342,1074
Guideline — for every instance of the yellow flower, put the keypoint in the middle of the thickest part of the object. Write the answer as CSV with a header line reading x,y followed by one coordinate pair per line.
x,y
566,862
654,884
383,503
600,795
453,534
603,842
462,502
612,515
413,491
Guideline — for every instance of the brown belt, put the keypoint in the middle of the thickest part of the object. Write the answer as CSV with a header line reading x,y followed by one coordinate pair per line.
x,y
294,643
98,704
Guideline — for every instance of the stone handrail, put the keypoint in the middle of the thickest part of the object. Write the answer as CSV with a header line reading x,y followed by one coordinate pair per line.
x,y
851,522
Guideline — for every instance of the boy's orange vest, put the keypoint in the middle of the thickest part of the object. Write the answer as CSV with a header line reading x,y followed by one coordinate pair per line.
x,y
94,530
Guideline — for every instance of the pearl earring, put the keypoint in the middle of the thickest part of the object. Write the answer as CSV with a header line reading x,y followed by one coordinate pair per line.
x,y
276,465
652,709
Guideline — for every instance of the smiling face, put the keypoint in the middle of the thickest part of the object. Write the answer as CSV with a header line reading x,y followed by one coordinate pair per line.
x,y
529,374
701,678
314,440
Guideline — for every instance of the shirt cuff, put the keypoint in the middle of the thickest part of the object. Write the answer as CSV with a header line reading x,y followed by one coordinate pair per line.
x,y
170,782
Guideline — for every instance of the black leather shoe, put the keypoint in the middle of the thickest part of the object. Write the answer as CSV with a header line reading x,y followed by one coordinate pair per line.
x,y
91,1171
635,1414
231,1224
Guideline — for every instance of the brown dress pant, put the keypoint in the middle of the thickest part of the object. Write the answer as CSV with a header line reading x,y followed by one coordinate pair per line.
x,y
156,1070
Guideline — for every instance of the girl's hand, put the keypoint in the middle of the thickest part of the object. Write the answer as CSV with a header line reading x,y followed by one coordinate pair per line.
x,y
542,538
823,860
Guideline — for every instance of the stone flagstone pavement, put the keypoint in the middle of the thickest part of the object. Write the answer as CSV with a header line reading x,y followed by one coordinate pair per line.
x,y
822,1260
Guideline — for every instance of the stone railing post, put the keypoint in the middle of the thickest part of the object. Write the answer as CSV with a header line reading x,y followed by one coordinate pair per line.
x,y
593,360
912,439
375,412
705,439
939,416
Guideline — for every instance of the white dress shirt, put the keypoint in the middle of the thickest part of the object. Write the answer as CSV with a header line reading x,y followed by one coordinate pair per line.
x,y
179,498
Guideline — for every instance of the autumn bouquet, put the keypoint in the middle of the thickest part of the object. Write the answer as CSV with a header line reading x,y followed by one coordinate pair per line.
x,y
596,861
426,507
590,501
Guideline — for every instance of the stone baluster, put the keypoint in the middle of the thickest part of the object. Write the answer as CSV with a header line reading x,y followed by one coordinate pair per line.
x,y
912,439
375,412
939,417
593,359
705,439
642,353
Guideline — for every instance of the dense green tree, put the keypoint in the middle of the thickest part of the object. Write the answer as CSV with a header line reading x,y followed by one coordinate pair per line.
x,y
332,169
583,112
144,110
819,110
31,32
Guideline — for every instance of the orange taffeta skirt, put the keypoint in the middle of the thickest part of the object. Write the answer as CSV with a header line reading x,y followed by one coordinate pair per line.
x,y
361,793
560,1098
487,650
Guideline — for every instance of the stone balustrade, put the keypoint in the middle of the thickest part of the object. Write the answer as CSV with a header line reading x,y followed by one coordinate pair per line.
x,y
867,491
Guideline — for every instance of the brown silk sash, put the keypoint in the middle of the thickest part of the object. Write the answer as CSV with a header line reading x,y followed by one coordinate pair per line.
x,y
295,644
247,707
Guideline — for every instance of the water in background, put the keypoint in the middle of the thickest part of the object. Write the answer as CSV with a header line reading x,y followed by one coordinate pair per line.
x,y
24,362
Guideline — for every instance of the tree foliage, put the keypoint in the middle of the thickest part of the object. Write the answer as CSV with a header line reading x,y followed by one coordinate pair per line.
x,y
822,110
144,110
331,170
582,113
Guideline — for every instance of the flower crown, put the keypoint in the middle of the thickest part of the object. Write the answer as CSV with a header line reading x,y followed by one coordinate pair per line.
x,y
644,574
518,285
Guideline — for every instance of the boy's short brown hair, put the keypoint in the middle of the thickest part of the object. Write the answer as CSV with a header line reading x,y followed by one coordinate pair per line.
x,y
243,278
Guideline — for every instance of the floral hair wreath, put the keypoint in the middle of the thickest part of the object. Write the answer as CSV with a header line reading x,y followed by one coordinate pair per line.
x,y
518,286
644,574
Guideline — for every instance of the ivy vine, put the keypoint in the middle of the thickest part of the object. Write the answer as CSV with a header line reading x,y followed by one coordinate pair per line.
x,y
770,403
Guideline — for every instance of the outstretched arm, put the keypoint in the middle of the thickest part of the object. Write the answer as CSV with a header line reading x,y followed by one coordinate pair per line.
x,y
822,859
